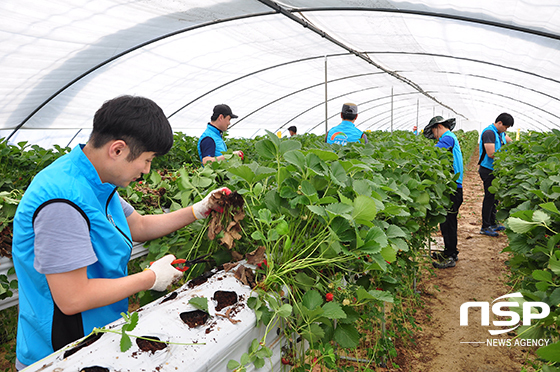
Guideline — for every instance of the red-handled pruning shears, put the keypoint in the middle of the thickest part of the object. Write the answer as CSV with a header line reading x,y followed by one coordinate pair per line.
x,y
184,264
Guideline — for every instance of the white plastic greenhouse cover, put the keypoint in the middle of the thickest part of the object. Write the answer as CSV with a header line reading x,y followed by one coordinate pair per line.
x,y
402,62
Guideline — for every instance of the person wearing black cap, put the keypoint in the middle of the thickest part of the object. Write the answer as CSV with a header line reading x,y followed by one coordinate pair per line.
x,y
211,145
492,139
440,129
346,131
292,130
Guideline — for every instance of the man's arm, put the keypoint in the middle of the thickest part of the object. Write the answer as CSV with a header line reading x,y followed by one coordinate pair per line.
x,y
61,225
446,142
364,136
490,149
208,148
488,140
74,292
149,227
152,226
508,139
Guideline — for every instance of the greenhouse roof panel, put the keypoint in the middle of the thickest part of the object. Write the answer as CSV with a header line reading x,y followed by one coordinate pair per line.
x,y
278,63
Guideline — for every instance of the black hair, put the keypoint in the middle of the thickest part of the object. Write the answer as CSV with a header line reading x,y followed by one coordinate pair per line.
x,y
293,129
350,117
215,116
138,121
506,119
448,123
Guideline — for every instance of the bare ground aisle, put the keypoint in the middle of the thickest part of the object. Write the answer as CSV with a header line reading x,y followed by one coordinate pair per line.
x,y
480,275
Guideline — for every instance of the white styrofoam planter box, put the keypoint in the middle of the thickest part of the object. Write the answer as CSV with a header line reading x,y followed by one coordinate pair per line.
x,y
223,339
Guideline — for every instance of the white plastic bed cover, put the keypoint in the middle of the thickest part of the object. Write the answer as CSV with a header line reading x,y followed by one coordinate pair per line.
x,y
278,64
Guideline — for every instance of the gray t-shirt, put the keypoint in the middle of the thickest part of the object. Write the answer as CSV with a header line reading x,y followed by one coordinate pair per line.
x,y
62,241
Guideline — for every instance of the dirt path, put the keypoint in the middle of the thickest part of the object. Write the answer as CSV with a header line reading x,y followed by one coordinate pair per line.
x,y
480,275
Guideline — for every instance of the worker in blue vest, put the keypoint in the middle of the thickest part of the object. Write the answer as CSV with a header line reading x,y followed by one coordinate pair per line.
x,y
211,145
73,233
492,139
346,131
440,129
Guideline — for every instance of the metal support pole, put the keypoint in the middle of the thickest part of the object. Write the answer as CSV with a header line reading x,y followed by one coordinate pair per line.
x,y
384,334
417,113
326,99
391,110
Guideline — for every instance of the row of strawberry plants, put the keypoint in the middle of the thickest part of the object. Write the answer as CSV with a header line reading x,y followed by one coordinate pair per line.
x,y
341,228
18,164
527,185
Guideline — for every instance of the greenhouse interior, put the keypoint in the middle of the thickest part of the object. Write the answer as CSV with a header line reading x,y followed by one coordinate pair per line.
x,y
338,253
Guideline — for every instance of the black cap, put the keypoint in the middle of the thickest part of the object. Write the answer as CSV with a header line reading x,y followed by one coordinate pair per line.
x,y
223,110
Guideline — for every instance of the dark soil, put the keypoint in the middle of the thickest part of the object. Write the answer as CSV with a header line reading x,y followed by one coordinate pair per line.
x,y
201,279
149,345
88,341
224,299
246,276
194,318
172,296
6,241
227,219
94,369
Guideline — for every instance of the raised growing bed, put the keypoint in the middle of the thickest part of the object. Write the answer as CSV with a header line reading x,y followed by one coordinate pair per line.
x,y
225,332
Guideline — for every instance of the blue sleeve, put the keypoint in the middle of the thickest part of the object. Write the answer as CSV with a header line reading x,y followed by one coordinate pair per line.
x,y
207,147
446,142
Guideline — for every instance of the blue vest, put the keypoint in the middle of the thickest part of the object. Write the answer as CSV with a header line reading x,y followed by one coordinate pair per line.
x,y
72,178
457,158
343,133
214,133
488,162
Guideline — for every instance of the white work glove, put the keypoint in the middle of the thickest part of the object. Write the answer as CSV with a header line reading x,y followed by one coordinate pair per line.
x,y
165,273
240,154
202,208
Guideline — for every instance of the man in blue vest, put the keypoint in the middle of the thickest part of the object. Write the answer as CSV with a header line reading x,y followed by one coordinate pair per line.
x,y
440,129
211,145
492,139
346,131
73,233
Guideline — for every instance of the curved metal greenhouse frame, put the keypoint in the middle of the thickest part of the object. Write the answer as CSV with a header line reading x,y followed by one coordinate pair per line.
x,y
278,63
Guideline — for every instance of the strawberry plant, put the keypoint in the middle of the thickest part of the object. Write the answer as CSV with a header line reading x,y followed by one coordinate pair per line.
x,y
527,185
321,214
340,229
